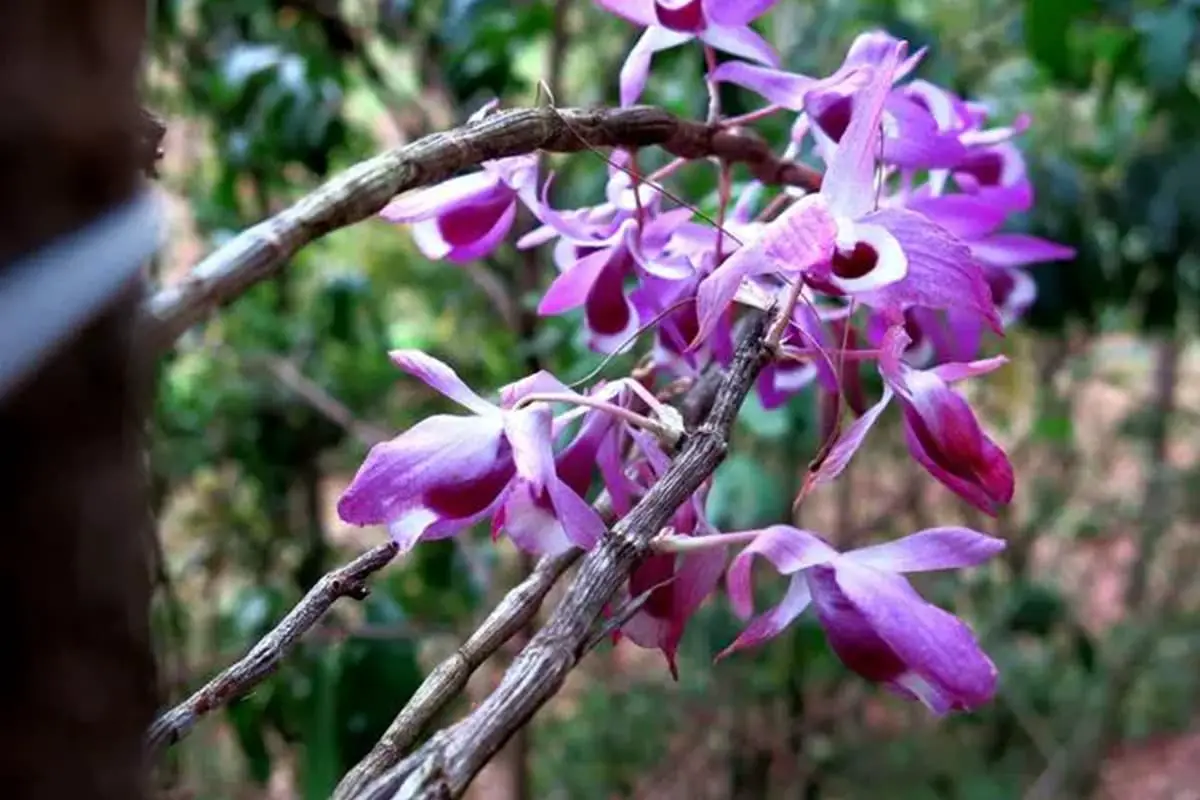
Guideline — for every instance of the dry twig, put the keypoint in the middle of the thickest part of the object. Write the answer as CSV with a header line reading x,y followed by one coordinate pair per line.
x,y
360,192
264,657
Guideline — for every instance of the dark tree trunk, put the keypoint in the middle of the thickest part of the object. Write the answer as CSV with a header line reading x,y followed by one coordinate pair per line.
x,y
77,682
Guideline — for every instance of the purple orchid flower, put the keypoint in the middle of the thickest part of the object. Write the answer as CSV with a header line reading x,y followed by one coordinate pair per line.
x,y
876,622
465,218
891,259
911,136
722,24
597,252
940,429
678,585
448,472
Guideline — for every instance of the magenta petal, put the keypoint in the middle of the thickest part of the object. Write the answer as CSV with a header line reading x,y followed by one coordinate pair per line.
x,y
849,182
540,382
637,64
941,271
1019,250
486,241
801,238
788,549
444,466
444,197
963,215
530,521
953,372
931,549
571,288
849,442
440,377
769,624
874,48
529,433
782,88
884,630
736,12
581,522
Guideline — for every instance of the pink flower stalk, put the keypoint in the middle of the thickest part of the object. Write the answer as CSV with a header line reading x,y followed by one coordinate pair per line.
x,y
721,24
875,621
940,429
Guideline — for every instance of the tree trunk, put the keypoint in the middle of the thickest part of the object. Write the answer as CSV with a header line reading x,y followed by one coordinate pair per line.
x,y
77,682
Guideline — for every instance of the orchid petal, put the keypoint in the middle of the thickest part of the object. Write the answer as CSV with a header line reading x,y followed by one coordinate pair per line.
x,y
849,182
884,630
888,259
637,64
486,242
786,89
788,549
769,624
1019,250
736,12
931,549
963,215
740,41
941,271
438,376
571,288
850,440
529,433
533,525
443,467
799,239
423,204
582,524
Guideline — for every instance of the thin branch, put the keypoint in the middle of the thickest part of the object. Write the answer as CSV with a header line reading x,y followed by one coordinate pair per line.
x,y
264,657
449,678
448,762
360,192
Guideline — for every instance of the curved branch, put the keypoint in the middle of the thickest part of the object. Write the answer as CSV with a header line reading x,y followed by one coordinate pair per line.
x,y
264,657
360,192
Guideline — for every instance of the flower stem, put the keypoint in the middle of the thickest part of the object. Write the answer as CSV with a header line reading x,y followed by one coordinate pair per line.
x,y
672,543
664,432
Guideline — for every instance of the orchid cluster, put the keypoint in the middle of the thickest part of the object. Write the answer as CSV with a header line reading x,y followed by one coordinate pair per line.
x,y
898,264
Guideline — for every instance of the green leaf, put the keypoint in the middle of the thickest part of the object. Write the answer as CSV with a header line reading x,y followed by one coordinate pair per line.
x,y
745,495
1048,25
1166,45
763,423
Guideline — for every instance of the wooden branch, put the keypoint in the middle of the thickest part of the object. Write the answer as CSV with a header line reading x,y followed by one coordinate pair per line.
x,y
448,762
449,678
360,192
264,657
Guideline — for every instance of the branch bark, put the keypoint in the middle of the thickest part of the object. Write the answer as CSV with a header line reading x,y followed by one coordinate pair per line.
x,y
446,765
264,657
360,192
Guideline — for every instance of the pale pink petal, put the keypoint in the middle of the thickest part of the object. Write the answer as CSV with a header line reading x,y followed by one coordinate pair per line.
x,y
637,64
736,12
637,11
931,549
740,41
1019,250
849,442
422,204
849,182
438,376
529,433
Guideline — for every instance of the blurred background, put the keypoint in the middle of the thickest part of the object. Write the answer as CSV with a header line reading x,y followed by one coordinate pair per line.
x,y
1092,614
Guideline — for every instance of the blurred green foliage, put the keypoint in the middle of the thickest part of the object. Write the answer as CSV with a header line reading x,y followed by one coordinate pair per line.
x,y
286,92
